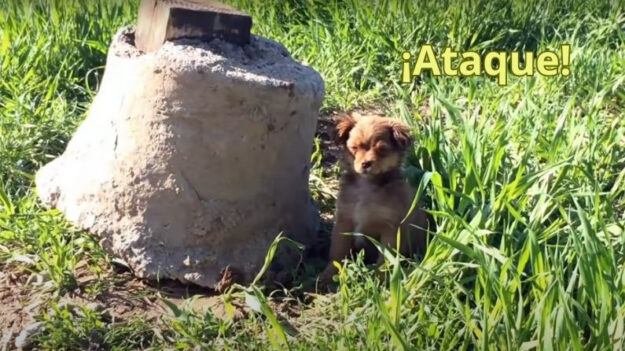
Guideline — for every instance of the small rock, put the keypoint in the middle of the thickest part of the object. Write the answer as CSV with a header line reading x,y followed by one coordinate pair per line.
x,y
6,339
95,306
25,339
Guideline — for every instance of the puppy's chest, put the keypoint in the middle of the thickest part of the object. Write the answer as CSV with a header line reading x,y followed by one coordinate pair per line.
x,y
373,208
367,215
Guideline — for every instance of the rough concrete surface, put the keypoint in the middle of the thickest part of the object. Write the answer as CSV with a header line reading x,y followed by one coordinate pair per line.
x,y
193,157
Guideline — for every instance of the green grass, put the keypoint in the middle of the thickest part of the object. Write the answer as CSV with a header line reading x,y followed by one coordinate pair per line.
x,y
526,182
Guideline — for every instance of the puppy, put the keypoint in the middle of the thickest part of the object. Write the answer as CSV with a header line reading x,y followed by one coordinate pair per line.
x,y
374,198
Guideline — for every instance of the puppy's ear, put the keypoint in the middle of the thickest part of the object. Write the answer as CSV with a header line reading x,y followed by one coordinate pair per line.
x,y
343,126
401,133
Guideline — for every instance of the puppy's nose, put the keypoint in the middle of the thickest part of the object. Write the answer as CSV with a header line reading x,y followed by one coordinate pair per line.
x,y
366,164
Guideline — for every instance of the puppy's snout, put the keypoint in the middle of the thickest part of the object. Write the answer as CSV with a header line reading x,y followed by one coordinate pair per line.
x,y
366,164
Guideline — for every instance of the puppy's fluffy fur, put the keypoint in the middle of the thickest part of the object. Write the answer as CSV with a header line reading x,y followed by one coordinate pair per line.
x,y
374,198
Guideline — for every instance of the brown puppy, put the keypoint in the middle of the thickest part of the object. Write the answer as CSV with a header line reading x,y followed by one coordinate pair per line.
x,y
374,198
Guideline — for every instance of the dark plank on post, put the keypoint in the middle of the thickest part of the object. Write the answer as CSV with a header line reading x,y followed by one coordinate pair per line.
x,y
162,20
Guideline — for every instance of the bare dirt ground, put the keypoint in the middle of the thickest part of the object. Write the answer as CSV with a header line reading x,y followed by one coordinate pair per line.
x,y
14,314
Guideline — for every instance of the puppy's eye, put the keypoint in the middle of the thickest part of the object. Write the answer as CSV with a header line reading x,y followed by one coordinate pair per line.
x,y
382,149
355,148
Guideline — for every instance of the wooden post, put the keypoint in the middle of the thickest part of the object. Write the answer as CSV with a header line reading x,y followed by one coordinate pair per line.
x,y
162,20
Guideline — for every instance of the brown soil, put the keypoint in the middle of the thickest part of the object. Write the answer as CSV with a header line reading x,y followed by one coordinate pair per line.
x,y
14,312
